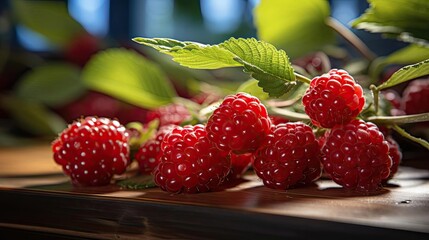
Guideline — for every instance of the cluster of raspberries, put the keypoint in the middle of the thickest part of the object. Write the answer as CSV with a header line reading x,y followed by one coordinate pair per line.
x,y
240,134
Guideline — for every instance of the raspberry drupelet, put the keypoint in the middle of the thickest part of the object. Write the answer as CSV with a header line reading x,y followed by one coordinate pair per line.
x,y
147,155
189,162
333,98
290,156
356,156
92,150
239,124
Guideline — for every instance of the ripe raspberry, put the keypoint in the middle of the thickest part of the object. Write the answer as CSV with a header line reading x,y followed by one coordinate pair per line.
x,y
333,98
82,48
395,154
169,114
147,155
415,97
356,156
394,100
91,104
314,63
189,162
289,156
240,163
239,124
92,150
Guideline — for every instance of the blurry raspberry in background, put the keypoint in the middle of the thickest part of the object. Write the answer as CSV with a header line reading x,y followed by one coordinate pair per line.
x,y
82,48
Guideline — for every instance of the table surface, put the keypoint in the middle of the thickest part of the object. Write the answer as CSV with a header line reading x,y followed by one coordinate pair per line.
x,y
36,197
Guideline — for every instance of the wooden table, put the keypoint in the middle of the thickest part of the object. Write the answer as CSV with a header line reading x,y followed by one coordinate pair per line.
x,y
37,201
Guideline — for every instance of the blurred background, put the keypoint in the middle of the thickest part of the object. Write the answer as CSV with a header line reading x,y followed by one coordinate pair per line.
x,y
52,70
206,21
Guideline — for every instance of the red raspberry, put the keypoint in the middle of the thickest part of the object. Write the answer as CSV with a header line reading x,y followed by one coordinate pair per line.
x,y
415,98
92,150
148,154
82,48
169,114
189,162
289,156
395,154
239,124
240,163
356,156
333,98
394,100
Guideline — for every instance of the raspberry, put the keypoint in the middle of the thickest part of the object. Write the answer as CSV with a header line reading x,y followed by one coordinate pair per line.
x,y
169,114
239,164
415,97
189,162
395,154
333,98
394,100
82,48
92,150
147,155
314,63
289,156
91,104
356,156
239,124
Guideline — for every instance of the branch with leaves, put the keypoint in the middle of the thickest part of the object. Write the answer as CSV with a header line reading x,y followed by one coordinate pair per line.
x,y
273,71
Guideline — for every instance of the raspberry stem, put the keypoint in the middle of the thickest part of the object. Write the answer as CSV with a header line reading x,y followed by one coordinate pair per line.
x,y
293,116
405,134
351,38
393,120
302,78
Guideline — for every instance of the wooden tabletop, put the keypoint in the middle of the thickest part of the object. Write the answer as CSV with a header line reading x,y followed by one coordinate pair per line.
x,y
36,199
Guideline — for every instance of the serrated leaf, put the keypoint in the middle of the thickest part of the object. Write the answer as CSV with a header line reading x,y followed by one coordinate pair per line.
x,y
408,55
191,54
52,84
406,20
271,67
406,73
298,27
49,18
128,76
33,117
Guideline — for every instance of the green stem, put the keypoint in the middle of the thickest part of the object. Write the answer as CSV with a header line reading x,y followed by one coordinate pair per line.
x,y
394,120
350,37
375,92
403,133
302,78
293,116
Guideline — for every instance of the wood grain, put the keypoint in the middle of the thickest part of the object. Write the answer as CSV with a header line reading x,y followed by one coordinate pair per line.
x,y
44,201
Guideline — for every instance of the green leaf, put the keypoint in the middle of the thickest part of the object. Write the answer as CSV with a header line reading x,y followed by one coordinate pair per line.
x,y
138,182
52,84
128,76
251,87
408,55
405,74
271,67
191,54
298,27
33,117
265,63
406,20
49,18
